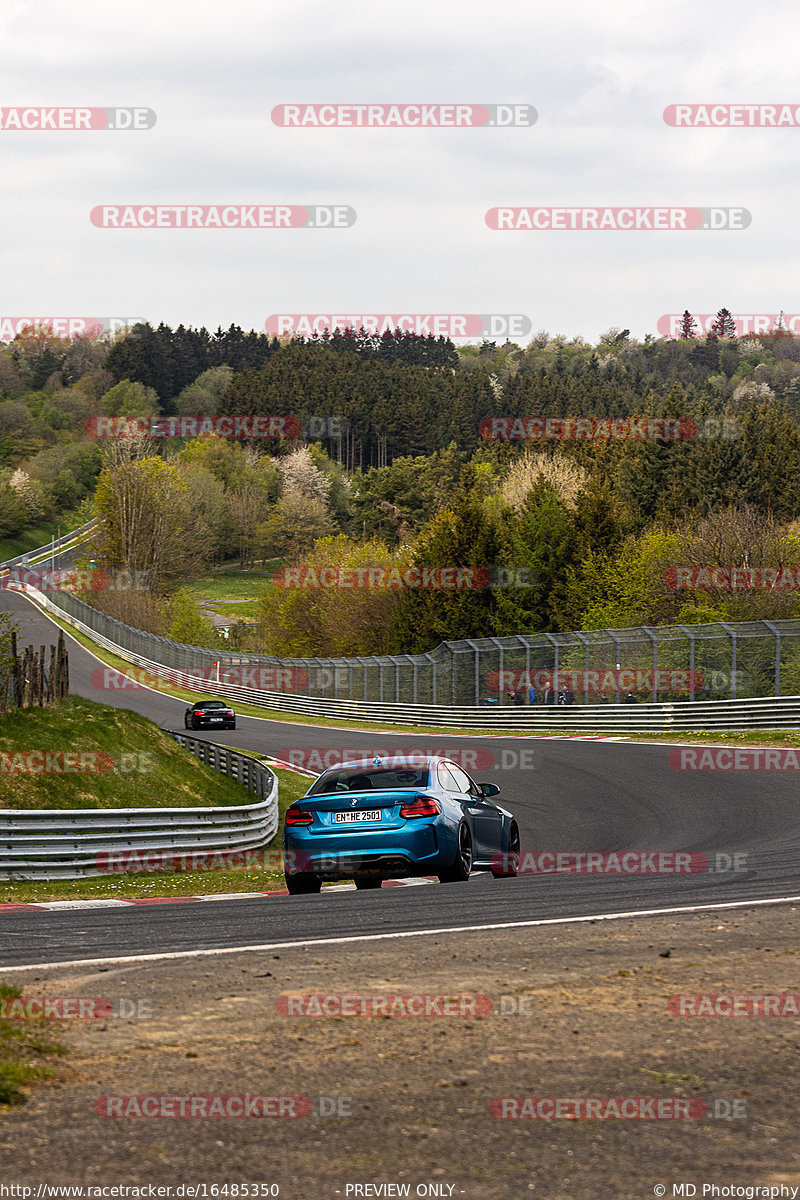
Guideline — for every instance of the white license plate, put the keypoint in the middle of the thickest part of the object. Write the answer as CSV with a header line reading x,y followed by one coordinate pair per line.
x,y
357,816
217,718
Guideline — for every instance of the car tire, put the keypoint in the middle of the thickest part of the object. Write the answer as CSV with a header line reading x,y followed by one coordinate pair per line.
x,y
186,724
459,869
233,725
195,723
304,884
365,882
510,855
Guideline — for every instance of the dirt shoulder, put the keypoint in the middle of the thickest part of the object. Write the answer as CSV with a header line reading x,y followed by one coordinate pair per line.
x,y
576,1011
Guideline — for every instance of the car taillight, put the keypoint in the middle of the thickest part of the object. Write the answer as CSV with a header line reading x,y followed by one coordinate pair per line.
x,y
198,712
420,806
298,816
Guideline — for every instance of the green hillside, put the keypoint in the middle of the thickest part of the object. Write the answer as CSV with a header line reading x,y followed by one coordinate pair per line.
x,y
101,757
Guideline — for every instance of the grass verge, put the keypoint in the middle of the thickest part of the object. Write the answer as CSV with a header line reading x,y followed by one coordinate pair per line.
x,y
35,537
228,585
744,737
101,757
241,610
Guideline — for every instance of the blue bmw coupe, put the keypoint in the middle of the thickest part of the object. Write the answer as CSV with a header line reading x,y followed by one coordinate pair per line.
x,y
381,818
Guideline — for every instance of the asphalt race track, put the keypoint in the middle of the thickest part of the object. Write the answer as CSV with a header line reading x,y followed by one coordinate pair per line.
x,y
568,795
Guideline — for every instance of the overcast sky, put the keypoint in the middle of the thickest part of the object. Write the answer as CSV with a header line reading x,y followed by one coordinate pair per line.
x,y
598,75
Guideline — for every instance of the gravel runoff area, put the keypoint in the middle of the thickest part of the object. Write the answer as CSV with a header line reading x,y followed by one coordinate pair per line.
x,y
396,1104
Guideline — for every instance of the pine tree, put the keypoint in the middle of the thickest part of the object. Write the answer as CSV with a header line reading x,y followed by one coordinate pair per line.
x,y
688,324
724,324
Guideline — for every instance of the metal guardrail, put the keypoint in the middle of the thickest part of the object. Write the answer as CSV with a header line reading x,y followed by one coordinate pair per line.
x,y
22,560
80,843
768,712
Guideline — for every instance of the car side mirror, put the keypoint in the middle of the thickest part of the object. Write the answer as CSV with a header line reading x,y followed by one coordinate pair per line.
x,y
489,789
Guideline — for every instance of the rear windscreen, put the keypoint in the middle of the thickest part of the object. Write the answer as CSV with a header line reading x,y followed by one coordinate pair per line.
x,y
373,780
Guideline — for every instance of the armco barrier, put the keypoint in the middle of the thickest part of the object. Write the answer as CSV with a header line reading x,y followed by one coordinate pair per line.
x,y
69,843
781,712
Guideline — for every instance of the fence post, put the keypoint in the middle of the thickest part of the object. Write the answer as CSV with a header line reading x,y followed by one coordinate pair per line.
x,y
16,674
653,639
732,634
554,644
476,650
585,643
617,660
777,635
690,636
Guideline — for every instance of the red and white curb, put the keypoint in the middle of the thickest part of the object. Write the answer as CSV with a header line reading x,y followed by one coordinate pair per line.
x,y
70,905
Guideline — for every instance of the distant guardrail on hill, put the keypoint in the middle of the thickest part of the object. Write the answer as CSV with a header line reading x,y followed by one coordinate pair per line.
x,y
22,560
77,843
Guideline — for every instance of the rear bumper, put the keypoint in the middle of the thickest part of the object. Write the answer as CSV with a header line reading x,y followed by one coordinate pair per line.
x,y
336,857
387,866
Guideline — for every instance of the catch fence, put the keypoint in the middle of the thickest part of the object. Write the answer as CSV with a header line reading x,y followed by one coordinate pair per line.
x,y
667,663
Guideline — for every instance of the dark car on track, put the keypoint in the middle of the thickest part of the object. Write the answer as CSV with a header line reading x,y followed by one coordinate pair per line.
x,y
376,819
209,713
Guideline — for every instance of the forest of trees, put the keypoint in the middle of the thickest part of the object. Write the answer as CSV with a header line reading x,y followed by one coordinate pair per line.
x,y
596,525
